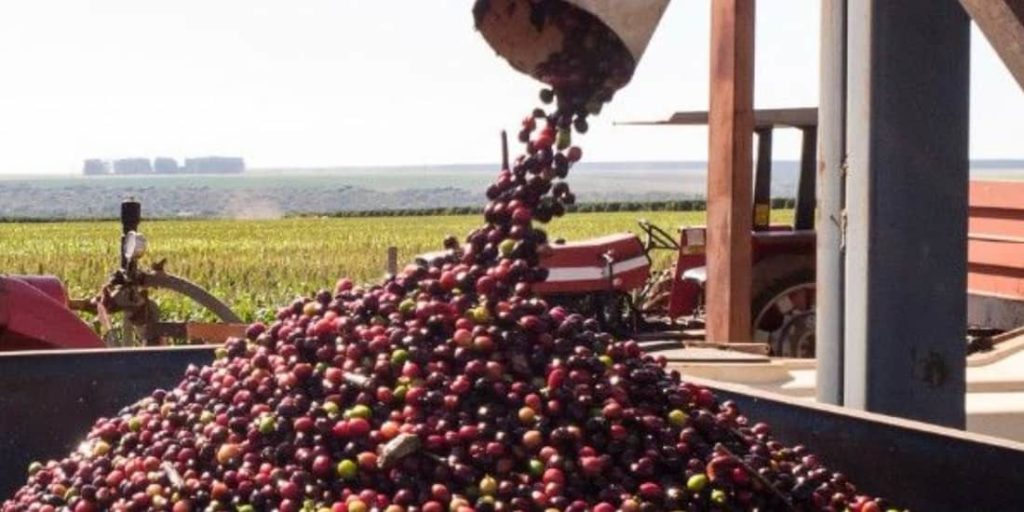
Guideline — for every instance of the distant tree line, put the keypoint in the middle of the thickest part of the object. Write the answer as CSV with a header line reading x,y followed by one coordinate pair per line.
x,y
686,205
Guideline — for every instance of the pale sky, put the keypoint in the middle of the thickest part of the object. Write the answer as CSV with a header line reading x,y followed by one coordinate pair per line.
x,y
360,82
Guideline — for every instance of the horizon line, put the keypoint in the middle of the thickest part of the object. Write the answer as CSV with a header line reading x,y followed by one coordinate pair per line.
x,y
263,169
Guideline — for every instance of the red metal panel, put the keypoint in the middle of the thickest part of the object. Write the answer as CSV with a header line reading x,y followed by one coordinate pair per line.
x,y
997,194
1006,254
778,240
622,246
31,319
685,294
995,247
768,243
580,267
991,281
624,282
51,286
992,221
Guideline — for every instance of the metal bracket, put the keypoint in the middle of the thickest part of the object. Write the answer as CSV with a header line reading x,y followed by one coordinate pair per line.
x,y
844,170
843,223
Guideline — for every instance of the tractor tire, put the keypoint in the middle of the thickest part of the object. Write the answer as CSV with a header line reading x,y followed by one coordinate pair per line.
x,y
788,333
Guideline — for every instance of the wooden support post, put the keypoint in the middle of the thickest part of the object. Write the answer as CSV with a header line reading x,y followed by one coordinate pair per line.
x,y
1002,22
731,127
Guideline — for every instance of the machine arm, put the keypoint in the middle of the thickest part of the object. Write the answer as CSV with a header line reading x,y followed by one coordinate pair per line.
x,y
192,291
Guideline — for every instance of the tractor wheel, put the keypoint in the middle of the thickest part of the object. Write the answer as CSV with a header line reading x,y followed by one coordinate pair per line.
x,y
783,314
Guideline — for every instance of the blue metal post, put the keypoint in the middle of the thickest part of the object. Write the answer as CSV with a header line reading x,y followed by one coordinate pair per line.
x,y
906,257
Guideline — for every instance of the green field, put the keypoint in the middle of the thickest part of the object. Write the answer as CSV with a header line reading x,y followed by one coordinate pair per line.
x,y
257,265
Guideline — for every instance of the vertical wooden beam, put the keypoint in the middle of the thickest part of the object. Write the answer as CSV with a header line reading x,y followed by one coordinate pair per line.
x,y
731,127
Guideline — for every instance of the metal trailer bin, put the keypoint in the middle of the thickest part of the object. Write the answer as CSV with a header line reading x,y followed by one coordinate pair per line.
x,y
51,398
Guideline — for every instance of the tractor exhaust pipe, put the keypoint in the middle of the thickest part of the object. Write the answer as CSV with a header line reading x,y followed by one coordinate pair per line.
x,y
513,29
131,216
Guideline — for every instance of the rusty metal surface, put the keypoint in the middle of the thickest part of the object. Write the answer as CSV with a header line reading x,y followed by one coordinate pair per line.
x,y
999,313
49,399
214,332
197,332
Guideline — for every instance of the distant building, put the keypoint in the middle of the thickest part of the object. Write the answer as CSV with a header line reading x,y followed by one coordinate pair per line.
x,y
214,165
95,167
133,166
163,165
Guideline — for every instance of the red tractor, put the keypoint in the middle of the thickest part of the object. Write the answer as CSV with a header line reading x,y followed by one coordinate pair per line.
x,y
611,276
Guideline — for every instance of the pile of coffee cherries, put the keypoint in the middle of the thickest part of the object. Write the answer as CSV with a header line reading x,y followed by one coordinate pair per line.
x,y
450,386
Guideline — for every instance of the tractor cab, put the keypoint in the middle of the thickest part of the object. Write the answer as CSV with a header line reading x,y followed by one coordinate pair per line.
x,y
783,255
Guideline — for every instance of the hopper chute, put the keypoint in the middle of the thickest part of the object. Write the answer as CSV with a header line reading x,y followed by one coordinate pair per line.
x,y
526,40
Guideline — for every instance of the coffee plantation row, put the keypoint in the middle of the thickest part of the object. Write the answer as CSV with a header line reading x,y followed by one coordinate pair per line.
x,y
257,265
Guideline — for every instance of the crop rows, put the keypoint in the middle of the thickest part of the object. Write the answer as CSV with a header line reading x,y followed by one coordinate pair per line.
x,y
256,266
